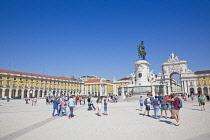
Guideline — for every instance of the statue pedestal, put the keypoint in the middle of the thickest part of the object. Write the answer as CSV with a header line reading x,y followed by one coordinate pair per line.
x,y
142,72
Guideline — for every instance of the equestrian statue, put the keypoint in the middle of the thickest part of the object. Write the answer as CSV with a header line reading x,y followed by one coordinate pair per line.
x,y
141,50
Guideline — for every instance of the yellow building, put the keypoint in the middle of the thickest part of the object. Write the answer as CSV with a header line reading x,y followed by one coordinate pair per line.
x,y
202,82
98,87
15,84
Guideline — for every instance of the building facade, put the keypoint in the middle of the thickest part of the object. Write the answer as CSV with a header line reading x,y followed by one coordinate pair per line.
x,y
98,87
15,84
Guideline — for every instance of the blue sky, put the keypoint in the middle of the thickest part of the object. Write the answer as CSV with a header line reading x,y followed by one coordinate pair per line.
x,y
100,37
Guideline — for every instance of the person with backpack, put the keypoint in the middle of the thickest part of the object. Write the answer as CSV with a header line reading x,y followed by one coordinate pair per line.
x,y
202,101
177,106
147,104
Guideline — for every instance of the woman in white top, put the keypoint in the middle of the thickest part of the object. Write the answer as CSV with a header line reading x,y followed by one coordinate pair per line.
x,y
99,103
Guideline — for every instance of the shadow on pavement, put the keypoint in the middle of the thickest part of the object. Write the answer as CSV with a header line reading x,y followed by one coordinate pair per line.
x,y
168,122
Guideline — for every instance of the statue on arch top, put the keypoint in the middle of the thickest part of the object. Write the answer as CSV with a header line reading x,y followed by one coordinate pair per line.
x,y
141,50
172,58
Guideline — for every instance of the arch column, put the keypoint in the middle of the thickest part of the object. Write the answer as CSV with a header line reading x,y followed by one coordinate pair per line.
x,y
38,93
3,92
43,91
10,93
22,93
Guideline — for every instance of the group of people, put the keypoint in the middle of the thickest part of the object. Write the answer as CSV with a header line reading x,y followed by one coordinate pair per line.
x,y
60,105
33,100
164,103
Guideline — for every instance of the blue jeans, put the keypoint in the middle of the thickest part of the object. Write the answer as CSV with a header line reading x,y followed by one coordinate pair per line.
x,y
92,106
71,111
62,111
156,109
54,111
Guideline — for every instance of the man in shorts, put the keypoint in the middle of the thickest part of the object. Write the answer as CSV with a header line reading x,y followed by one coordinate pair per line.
x,y
147,103
175,112
202,102
163,102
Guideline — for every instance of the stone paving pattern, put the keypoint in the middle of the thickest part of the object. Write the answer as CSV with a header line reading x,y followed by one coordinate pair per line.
x,y
26,122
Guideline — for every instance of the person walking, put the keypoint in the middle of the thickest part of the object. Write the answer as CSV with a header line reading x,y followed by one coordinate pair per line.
x,y
202,102
156,107
105,107
71,107
92,103
99,102
163,102
55,106
35,101
147,103
176,109
26,99
141,102
88,100
63,107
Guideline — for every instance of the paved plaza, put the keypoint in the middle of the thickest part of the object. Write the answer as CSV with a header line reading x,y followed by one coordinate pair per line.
x,y
20,121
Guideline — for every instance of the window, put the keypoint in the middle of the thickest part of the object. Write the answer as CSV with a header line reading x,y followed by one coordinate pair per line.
x,y
0,77
7,78
14,78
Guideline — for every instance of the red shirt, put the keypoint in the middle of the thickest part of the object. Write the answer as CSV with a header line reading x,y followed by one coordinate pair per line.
x,y
176,103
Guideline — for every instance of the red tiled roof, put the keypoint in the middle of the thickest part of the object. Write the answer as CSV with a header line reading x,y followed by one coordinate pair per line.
x,y
96,80
202,72
32,74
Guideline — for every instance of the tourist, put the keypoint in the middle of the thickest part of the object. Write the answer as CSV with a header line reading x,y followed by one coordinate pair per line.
x,y
63,107
147,103
159,97
92,103
99,102
202,102
141,103
151,99
163,102
47,100
156,107
26,99
171,105
192,97
71,107
105,107
32,101
88,100
199,99
55,106
35,101
176,110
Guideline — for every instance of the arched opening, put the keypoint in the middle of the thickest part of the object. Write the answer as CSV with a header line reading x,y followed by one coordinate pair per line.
x,y
53,93
19,93
192,90
175,83
205,91
7,92
0,93
40,95
25,93
45,93
199,91
13,93
36,93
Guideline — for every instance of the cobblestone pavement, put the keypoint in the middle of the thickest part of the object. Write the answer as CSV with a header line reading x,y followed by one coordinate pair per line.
x,y
20,121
